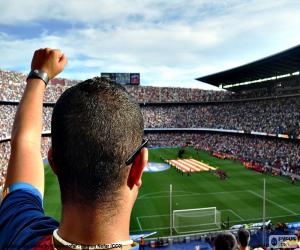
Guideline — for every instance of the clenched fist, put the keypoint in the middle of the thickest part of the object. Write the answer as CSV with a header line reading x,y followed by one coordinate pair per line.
x,y
51,61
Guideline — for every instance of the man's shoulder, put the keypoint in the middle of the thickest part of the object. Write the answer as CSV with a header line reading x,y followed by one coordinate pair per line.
x,y
22,220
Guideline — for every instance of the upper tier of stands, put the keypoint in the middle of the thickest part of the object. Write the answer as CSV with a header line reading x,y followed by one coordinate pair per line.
x,y
12,85
218,110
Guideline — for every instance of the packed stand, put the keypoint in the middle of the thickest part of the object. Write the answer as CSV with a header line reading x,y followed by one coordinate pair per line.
x,y
5,153
279,87
275,153
12,86
275,116
147,94
7,114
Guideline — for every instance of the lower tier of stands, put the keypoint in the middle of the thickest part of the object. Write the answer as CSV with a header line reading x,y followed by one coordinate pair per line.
x,y
280,154
277,153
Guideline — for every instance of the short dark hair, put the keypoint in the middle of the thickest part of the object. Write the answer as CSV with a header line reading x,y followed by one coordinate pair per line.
x,y
225,241
95,127
243,237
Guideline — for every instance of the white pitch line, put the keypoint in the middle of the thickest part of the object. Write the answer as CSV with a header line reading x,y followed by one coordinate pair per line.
x,y
144,195
237,215
152,216
167,192
152,229
233,221
138,221
272,202
278,216
193,194
271,217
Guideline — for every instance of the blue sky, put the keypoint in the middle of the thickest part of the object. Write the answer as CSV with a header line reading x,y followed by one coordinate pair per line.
x,y
170,42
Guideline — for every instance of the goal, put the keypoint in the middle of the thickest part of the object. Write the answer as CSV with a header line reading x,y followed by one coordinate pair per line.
x,y
196,220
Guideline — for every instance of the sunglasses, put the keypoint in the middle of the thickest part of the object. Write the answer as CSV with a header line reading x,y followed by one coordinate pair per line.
x,y
136,152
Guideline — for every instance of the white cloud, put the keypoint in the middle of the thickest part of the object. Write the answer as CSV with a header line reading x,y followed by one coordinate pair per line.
x,y
168,42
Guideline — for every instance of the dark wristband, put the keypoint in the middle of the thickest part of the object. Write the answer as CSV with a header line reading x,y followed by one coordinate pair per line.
x,y
39,74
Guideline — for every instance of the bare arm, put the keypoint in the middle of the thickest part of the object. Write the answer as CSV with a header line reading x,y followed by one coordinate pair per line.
x,y
25,163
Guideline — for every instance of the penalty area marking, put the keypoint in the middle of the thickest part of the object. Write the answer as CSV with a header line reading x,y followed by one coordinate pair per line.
x,y
138,218
232,221
138,221
211,193
234,213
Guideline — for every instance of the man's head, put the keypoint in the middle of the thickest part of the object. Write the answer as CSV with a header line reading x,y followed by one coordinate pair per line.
x,y
243,238
95,127
225,241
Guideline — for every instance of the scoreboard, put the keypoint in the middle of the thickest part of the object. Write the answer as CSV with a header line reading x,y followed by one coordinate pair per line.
x,y
123,78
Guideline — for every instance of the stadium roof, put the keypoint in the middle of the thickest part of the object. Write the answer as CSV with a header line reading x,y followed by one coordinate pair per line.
x,y
282,63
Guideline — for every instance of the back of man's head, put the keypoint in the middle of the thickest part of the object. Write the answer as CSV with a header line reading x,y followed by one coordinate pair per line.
x,y
95,128
243,237
225,241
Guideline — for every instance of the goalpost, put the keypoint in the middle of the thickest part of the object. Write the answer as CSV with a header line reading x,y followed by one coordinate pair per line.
x,y
196,220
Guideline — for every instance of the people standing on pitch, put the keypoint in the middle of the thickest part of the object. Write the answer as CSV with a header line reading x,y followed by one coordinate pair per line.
x,y
293,179
98,164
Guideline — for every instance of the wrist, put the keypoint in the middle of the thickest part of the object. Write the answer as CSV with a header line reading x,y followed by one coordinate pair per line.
x,y
36,83
38,74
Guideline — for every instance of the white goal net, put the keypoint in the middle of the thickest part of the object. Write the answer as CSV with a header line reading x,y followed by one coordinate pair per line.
x,y
196,220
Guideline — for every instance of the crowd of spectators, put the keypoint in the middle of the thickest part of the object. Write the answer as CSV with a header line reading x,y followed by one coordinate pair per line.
x,y
7,114
6,120
12,85
270,115
4,157
276,153
148,94
5,153
275,116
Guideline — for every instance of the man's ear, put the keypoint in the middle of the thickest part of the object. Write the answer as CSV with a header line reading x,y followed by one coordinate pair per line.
x,y
51,162
137,168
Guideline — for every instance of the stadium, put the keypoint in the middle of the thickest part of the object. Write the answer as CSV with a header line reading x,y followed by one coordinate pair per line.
x,y
219,160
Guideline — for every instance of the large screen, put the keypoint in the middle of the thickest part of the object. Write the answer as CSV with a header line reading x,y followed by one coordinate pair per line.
x,y
123,78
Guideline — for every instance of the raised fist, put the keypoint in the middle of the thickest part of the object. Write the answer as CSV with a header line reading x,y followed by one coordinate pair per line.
x,y
51,61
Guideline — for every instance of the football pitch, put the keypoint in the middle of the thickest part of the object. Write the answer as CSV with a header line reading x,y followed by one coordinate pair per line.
x,y
238,198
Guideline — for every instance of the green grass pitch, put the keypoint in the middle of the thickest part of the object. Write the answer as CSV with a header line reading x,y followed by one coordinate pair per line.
x,y
239,197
